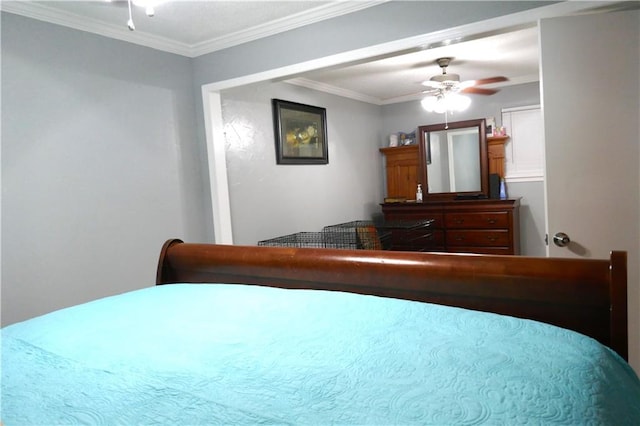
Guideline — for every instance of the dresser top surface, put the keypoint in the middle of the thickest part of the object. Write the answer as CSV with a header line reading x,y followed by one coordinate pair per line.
x,y
509,202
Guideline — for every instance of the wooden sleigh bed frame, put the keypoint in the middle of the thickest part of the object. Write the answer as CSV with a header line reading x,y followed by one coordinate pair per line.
x,y
585,295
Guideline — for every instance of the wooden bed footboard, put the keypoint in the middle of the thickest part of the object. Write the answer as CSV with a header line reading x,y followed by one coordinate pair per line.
x,y
585,295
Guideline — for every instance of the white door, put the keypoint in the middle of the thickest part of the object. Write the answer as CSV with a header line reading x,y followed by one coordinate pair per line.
x,y
591,109
590,95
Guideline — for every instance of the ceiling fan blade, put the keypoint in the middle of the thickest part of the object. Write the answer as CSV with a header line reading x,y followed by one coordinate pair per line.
x,y
432,92
478,91
490,80
466,84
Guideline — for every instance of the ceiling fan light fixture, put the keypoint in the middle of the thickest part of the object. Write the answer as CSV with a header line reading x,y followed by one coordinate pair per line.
x,y
442,103
459,102
446,78
148,4
431,104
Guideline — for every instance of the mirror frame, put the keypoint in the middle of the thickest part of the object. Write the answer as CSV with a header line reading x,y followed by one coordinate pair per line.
x,y
484,158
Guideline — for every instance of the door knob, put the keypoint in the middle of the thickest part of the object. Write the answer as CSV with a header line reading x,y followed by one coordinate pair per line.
x,y
561,239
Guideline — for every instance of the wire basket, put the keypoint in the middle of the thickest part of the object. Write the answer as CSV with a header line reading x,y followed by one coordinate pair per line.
x,y
376,234
357,234
362,234
338,239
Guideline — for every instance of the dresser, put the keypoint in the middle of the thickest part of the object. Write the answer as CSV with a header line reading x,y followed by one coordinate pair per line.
x,y
485,226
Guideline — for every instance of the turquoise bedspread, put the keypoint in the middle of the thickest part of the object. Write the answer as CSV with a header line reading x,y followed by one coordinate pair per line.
x,y
232,354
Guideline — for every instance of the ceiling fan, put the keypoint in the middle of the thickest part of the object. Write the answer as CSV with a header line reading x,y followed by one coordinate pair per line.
x,y
445,83
148,5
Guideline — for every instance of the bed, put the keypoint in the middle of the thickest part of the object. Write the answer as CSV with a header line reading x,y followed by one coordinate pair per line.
x,y
272,335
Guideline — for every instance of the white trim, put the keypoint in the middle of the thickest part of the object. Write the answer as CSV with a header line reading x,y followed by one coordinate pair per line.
x,y
216,158
350,94
521,108
215,138
291,22
333,90
524,178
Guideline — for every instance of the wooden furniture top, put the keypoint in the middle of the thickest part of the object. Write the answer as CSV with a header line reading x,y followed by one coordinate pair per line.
x,y
450,203
386,149
585,295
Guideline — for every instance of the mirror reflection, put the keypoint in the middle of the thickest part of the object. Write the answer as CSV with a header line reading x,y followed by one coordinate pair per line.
x,y
454,163
454,156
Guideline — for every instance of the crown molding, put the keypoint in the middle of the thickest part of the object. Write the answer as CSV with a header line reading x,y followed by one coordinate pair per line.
x,y
320,13
350,94
45,13
334,90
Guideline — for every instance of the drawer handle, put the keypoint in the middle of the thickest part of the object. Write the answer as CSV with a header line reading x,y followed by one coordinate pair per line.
x,y
492,239
459,238
491,221
459,221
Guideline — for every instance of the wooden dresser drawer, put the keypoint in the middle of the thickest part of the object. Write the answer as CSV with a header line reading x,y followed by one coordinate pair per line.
x,y
437,218
417,240
462,226
481,250
478,238
477,220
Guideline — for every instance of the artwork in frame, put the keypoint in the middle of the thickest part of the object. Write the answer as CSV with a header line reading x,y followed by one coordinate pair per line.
x,y
300,133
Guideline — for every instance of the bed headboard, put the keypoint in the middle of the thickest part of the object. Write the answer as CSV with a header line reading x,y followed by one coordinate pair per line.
x,y
585,295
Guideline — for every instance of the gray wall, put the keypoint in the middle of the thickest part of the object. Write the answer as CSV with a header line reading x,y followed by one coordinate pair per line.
x,y
386,22
103,161
104,150
408,116
269,200
99,165
304,198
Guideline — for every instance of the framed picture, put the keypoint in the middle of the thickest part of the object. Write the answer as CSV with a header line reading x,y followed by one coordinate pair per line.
x,y
300,133
406,138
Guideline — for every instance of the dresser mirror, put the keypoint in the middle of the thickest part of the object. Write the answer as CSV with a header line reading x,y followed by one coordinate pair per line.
x,y
454,159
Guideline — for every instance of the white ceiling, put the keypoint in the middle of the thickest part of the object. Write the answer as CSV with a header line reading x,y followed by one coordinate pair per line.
x,y
189,28
193,28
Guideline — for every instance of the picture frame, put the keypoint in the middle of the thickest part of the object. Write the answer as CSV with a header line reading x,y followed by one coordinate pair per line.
x,y
405,139
300,133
